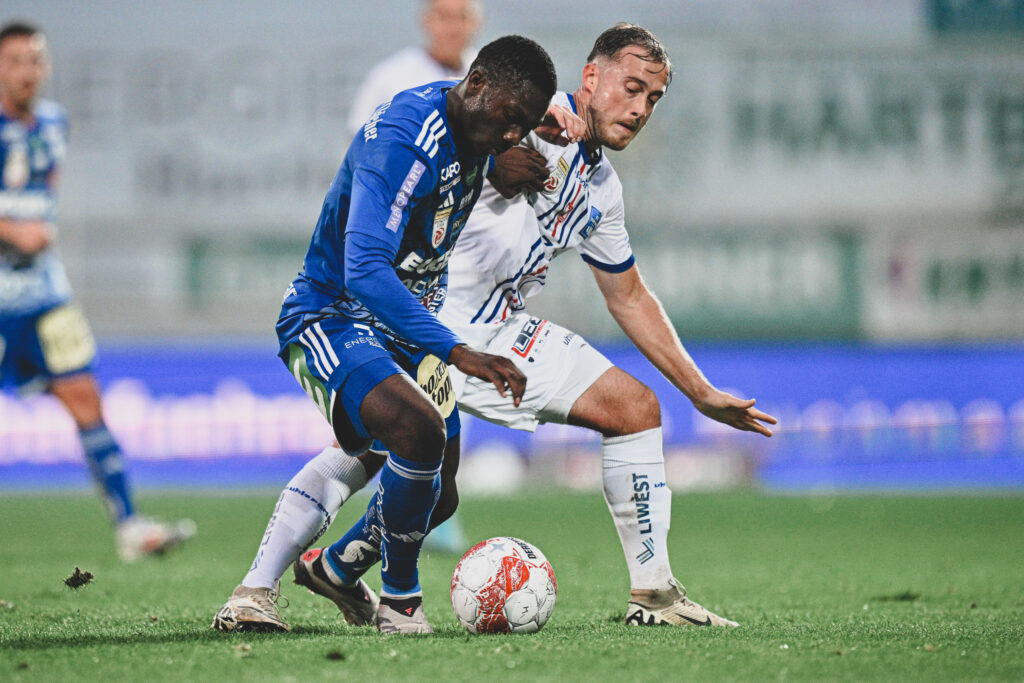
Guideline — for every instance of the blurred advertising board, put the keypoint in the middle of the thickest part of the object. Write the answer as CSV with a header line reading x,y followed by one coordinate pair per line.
x,y
850,416
944,284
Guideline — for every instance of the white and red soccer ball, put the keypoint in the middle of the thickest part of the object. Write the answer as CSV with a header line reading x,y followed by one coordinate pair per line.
x,y
503,585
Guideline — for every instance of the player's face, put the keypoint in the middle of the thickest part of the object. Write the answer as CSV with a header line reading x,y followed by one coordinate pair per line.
x,y
23,70
497,119
450,25
624,92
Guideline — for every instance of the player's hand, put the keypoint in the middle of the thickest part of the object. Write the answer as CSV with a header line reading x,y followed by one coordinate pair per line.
x,y
560,126
27,237
736,412
498,370
518,169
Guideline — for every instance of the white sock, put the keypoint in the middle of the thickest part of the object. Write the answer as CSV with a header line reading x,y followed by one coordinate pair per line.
x,y
306,508
641,505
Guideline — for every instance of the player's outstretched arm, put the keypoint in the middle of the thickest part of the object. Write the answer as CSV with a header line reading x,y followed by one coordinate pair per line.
x,y
642,317
498,370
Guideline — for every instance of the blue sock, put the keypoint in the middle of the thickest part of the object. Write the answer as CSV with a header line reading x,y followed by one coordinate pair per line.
x,y
107,466
359,548
408,492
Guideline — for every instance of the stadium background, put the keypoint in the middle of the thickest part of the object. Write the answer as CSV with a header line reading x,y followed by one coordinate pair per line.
x,y
829,201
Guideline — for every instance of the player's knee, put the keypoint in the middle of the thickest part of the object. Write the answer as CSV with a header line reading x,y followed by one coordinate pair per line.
x,y
645,410
419,435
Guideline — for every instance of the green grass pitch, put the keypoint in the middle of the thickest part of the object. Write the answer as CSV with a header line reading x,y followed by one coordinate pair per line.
x,y
840,588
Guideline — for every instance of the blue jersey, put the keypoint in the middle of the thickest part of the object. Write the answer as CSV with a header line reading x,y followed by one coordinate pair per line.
x,y
30,159
379,253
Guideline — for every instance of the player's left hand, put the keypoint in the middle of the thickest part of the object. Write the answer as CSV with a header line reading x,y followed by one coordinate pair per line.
x,y
561,126
518,169
736,412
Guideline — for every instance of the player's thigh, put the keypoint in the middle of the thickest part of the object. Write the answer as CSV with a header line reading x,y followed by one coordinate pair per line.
x,y
559,366
337,362
401,415
615,405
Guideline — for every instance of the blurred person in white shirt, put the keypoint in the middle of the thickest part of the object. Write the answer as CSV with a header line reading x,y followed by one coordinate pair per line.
x,y
450,26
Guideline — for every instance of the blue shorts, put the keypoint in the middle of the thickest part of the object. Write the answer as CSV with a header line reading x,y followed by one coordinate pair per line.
x,y
45,345
333,357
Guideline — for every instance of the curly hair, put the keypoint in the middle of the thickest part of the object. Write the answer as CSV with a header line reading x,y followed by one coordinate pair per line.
x,y
514,61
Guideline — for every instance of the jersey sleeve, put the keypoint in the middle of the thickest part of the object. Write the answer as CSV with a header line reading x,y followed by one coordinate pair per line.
x,y
394,175
607,246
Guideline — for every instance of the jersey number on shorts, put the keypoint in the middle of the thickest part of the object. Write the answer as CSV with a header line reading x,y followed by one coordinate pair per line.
x,y
66,339
432,375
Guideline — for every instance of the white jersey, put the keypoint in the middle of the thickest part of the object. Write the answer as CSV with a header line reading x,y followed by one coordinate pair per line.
x,y
403,70
503,253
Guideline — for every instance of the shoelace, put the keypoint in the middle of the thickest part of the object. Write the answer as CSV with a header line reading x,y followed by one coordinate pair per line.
x,y
272,598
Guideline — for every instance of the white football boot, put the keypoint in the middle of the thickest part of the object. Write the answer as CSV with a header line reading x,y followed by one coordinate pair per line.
x,y
672,607
139,536
251,610
402,620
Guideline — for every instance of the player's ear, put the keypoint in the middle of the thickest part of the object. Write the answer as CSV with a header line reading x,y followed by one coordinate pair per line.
x,y
476,82
591,75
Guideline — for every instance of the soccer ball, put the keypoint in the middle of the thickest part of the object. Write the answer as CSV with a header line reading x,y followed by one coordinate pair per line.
x,y
503,584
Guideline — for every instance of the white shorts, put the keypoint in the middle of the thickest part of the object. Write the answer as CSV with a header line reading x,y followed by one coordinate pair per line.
x,y
559,366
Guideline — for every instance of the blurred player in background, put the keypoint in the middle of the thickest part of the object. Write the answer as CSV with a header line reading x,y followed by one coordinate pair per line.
x,y
45,341
502,259
449,27
359,320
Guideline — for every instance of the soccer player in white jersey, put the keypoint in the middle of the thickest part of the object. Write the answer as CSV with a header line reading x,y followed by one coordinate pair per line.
x,y
45,341
502,259
493,271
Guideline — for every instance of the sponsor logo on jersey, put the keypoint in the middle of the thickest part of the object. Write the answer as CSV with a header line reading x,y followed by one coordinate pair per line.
x,y
404,195
595,218
528,336
450,176
464,202
557,177
450,170
370,129
441,217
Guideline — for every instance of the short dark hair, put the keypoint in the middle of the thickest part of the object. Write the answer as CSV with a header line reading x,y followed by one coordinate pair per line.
x,y
17,28
514,61
624,35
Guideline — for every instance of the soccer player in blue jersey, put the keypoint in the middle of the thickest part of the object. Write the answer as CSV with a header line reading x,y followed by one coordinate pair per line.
x,y
358,331
45,341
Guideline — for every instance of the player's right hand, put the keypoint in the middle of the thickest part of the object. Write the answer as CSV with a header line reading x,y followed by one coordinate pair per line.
x,y
498,370
518,169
